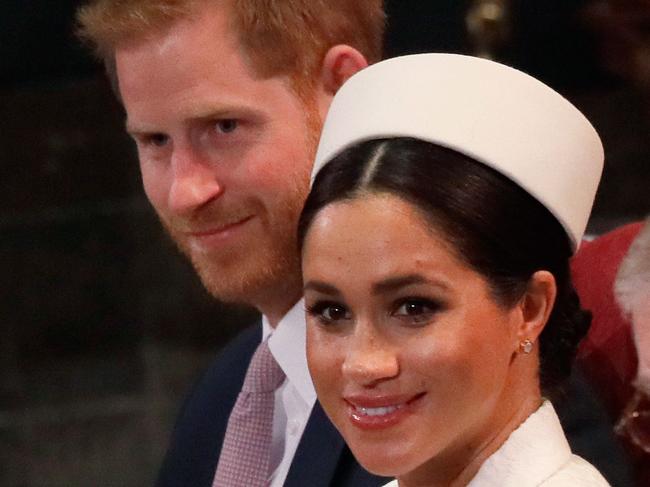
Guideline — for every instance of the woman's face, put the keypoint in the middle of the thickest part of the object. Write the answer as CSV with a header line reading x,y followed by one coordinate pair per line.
x,y
409,353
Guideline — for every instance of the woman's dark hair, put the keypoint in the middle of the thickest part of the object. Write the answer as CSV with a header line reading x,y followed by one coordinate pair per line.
x,y
496,227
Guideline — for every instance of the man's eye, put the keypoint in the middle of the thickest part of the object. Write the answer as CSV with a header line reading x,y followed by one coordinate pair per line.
x,y
329,312
155,140
226,125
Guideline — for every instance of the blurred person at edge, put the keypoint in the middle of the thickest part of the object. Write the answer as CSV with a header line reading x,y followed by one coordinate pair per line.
x,y
449,194
616,353
225,100
632,289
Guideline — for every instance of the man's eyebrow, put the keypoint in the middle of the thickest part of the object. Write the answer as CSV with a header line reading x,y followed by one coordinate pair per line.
x,y
203,112
221,111
393,283
133,129
321,287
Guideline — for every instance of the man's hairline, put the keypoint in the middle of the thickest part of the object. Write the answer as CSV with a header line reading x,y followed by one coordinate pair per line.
x,y
299,84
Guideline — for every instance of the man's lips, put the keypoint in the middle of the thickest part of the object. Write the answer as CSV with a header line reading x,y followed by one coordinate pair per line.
x,y
217,230
377,412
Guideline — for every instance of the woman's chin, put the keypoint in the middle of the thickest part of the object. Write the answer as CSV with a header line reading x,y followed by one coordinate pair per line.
x,y
382,469
383,463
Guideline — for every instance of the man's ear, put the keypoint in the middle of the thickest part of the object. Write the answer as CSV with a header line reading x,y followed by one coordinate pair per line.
x,y
536,305
339,63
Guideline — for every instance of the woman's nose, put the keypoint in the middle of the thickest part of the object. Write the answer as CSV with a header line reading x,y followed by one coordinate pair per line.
x,y
369,359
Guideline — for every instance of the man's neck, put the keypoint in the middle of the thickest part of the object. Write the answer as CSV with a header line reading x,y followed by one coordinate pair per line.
x,y
276,306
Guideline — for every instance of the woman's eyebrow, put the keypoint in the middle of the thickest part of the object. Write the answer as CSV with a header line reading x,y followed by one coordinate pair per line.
x,y
393,283
321,287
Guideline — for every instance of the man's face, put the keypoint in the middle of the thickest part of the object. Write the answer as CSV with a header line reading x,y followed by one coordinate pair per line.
x,y
225,156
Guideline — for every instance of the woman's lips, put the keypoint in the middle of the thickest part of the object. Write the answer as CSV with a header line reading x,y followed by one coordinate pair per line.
x,y
372,413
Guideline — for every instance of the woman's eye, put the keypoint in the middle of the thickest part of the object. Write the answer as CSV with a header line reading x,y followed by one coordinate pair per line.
x,y
329,312
226,125
418,310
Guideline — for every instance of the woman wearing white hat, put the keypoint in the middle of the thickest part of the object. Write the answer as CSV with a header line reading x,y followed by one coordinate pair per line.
x,y
449,194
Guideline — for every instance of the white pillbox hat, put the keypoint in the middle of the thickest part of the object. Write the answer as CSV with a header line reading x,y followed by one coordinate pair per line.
x,y
492,113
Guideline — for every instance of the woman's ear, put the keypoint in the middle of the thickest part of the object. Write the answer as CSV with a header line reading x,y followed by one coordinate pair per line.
x,y
339,63
536,306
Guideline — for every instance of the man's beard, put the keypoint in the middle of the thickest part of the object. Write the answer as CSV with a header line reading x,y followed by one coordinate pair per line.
x,y
246,273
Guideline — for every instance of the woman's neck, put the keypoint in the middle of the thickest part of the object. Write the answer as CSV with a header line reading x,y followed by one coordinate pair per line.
x,y
459,464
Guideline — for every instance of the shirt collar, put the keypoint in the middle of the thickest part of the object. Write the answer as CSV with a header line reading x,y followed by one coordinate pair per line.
x,y
287,344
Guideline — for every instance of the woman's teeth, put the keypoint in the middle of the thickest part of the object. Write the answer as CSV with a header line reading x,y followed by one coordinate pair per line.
x,y
382,411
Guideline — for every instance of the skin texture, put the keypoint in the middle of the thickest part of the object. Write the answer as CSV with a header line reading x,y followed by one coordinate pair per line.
x,y
225,156
395,317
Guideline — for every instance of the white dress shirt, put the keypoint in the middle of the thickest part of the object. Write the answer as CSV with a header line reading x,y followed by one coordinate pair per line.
x,y
536,454
295,398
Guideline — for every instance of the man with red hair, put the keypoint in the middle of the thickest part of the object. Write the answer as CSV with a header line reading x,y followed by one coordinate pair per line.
x,y
225,100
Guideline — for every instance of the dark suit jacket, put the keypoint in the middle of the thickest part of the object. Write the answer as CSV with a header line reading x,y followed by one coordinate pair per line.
x,y
322,459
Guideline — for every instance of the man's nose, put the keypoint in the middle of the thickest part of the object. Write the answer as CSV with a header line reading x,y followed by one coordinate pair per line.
x,y
195,182
369,357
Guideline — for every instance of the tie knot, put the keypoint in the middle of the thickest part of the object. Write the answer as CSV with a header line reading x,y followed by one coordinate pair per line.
x,y
264,374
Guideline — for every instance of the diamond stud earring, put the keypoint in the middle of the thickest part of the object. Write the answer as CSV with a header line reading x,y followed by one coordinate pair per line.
x,y
526,346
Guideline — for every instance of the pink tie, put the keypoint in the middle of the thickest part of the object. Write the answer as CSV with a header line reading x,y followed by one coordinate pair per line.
x,y
246,451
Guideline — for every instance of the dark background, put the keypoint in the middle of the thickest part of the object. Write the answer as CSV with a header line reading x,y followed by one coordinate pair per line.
x,y
103,327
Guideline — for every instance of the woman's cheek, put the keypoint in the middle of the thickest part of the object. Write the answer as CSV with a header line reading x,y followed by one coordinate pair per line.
x,y
324,360
442,363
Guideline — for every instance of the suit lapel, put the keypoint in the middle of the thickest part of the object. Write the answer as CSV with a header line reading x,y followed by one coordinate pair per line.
x,y
318,453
